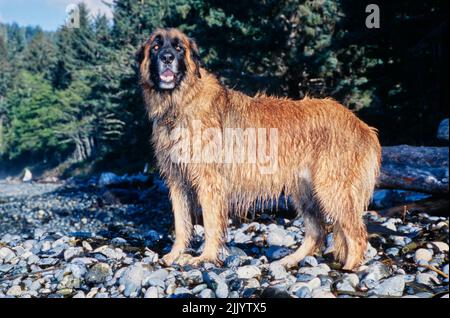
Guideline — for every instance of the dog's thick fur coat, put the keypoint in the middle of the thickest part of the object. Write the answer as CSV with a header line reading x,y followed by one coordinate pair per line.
x,y
328,160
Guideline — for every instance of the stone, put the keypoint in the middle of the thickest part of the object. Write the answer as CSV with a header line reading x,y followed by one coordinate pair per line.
x,y
152,292
277,271
248,271
303,292
276,237
322,293
72,252
222,290
14,291
98,273
207,293
423,255
6,254
427,279
440,246
132,279
309,261
393,286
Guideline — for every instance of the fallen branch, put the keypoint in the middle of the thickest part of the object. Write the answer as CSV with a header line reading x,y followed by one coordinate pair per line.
x,y
431,206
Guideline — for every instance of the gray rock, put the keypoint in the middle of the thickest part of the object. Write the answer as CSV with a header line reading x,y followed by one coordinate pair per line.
x,y
427,279
182,291
242,238
72,252
277,252
45,262
393,251
442,133
118,241
152,292
445,269
303,292
440,246
423,255
321,269
132,279
391,287
277,271
322,293
195,276
207,293
14,291
222,290
109,252
6,254
98,274
276,236
248,271
197,289
233,261
309,261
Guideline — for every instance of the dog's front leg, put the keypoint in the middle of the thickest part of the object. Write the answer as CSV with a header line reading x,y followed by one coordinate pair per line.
x,y
215,221
182,209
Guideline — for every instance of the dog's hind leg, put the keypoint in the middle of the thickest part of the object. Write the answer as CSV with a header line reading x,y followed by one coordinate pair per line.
x,y
306,205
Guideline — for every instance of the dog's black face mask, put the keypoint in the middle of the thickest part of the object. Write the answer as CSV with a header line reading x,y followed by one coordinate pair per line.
x,y
168,65
168,58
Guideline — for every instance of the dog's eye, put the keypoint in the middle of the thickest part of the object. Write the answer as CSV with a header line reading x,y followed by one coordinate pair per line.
x,y
156,47
178,48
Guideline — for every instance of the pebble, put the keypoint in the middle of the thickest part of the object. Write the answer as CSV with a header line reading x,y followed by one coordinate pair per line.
x,y
152,292
248,271
222,290
427,279
132,279
423,255
98,273
440,246
322,293
14,291
391,286
72,252
277,271
6,254
309,261
303,292
207,293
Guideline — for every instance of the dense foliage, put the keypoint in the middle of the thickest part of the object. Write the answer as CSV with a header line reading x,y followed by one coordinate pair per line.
x,y
71,96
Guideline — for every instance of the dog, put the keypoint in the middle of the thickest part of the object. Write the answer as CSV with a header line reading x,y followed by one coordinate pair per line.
x,y
321,155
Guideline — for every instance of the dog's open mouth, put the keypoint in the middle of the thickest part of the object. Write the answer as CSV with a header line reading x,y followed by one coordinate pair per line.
x,y
167,76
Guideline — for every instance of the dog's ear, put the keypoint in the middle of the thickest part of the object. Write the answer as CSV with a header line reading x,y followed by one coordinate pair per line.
x,y
195,55
140,53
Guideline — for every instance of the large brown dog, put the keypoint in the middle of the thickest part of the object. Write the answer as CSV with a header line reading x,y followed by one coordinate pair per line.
x,y
321,154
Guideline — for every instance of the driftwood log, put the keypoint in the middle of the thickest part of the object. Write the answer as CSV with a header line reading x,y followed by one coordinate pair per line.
x,y
431,206
422,169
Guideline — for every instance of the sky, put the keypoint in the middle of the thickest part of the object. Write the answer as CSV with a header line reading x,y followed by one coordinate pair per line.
x,y
49,14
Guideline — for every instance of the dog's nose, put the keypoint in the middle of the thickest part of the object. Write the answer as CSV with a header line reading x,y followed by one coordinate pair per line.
x,y
167,58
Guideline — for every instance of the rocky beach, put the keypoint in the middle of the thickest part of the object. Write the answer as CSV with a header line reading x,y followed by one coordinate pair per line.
x,y
99,239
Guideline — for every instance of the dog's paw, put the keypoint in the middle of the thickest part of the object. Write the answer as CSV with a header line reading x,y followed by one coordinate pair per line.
x,y
288,262
198,261
170,258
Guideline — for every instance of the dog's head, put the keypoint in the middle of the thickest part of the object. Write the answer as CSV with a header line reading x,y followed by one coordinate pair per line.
x,y
168,58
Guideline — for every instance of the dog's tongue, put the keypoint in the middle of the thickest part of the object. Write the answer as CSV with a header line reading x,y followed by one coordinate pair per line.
x,y
167,76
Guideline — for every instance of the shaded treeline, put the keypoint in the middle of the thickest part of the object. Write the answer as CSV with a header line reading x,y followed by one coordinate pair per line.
x,y
70,98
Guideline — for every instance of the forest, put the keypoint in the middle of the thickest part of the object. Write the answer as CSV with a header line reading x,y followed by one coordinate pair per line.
x,y
70,102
